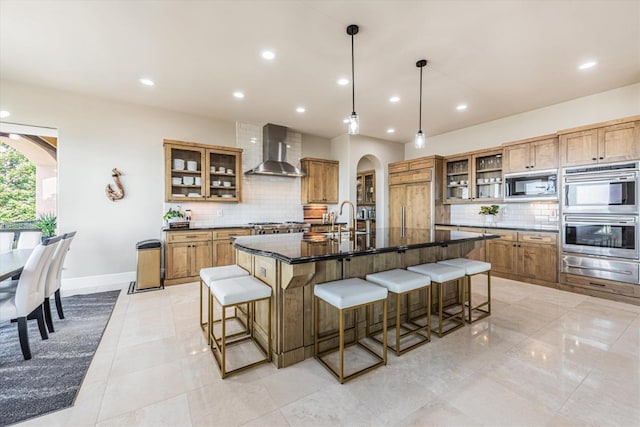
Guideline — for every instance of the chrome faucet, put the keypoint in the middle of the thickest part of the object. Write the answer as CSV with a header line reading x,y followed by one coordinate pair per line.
x,y
352,229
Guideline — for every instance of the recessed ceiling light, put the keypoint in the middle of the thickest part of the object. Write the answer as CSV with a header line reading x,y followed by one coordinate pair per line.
x,y
268,55
14,136
394,99
391,130
343,81
147,82
301,109
238,94
587,65
461,107
4,114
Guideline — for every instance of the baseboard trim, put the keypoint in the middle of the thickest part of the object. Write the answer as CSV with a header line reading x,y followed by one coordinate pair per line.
x,y
99,283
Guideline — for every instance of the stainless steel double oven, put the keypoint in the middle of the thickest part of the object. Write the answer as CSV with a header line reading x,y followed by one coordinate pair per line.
x,y
600,230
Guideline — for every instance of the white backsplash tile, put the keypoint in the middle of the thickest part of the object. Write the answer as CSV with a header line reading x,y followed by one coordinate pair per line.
x,y
264,198
510,214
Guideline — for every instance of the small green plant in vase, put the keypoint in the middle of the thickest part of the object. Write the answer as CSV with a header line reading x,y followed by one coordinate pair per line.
x,y
47,223
489,213
173,215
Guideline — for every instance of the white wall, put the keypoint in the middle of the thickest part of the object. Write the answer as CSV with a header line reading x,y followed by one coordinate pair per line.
x,y
316,146
95,136
610,105
349,149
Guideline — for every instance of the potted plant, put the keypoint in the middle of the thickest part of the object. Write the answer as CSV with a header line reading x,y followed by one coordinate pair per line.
x,y
173,215
489,213
47,224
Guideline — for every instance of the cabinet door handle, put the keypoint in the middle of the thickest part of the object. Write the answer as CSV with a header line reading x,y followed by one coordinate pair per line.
x,y
597,284
535,238
601,158
514,245
593,158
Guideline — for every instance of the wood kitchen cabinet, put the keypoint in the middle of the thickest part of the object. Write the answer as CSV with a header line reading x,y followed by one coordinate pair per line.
x,y
216,177
614,141
366,188
531,155
410,193
473,177
186,252
321,183
527,256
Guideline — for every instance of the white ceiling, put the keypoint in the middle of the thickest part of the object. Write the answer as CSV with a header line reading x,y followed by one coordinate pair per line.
x,y
499,57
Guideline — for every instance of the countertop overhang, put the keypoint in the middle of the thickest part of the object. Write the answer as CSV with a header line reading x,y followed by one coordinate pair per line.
x,y
291,248
545,228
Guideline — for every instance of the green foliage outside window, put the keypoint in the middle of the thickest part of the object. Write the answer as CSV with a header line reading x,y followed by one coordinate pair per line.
x,y
17,186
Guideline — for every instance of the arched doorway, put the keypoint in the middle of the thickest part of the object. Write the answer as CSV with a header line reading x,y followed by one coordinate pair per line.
x,y
368,174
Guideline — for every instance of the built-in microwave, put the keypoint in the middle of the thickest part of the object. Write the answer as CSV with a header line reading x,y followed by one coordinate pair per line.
x,y
540,185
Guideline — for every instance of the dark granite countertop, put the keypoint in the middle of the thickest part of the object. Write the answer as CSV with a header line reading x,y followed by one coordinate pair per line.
x,y
544,228
207,227
298,248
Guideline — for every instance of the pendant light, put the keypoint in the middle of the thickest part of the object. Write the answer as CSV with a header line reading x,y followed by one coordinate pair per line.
x,y
420,142
354,120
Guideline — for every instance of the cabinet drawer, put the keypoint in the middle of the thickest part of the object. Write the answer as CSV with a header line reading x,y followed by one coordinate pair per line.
x,y
537,237
398,167
475,230
504,234
420,164
410,176
225,234
187,236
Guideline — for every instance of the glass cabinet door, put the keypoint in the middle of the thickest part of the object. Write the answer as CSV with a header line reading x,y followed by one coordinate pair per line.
x,y
186,177
224,177
457,180
488,176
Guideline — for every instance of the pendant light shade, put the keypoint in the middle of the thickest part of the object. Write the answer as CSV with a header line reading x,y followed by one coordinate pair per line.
x,y
420,140
354,120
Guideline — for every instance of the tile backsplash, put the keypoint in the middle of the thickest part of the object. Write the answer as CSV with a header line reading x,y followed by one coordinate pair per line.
x,y
510,214
264,198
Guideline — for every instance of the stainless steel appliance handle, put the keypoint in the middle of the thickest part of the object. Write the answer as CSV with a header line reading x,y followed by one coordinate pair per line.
x,y
600,177
610,270
402,219
601,220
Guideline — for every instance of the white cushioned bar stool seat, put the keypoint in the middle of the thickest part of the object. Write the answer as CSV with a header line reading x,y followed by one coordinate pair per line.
x,y
348,295
402,283
473,267
208,275
231,293
442,275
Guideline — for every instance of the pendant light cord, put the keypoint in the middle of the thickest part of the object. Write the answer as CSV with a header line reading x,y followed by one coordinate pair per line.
x,y
353,81
420,109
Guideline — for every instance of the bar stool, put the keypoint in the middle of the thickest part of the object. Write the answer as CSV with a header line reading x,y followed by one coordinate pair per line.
x,y
231,293
473,267
346,295
210,274
441,275
401,283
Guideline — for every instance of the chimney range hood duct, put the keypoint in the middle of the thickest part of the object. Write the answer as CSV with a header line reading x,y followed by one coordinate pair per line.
x,y
274,154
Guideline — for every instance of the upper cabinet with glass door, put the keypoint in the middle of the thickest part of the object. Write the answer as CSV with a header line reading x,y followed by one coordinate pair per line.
x,y
198,172
473,177
366,188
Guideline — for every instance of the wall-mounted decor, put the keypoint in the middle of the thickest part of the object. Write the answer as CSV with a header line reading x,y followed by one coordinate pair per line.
x,y
112,194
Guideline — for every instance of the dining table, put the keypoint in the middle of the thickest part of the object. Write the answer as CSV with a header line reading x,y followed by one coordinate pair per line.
x,y
12,262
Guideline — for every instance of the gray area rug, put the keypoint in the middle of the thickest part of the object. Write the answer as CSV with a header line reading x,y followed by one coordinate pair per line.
x,y
51,379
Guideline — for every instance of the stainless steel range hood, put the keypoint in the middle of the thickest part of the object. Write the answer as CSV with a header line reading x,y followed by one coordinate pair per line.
x,y
274,154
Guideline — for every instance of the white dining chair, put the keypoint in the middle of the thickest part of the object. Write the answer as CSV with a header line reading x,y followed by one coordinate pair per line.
x,y
25,302
6,241
54,280
29,239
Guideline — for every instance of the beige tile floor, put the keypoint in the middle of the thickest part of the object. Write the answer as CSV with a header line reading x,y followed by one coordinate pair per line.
x,y
544,358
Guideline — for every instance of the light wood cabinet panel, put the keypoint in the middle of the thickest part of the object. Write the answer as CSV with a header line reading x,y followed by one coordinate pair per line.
x,y
321,183
214,166
537,261
601,144
397,199
418,206
177,260
532,155
502,255
201,257
619,142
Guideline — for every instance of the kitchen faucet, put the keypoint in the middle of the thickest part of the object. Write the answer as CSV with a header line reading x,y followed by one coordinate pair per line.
x,y
352,208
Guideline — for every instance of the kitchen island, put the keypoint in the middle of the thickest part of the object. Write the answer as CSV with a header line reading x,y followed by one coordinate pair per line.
x,y
293,263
